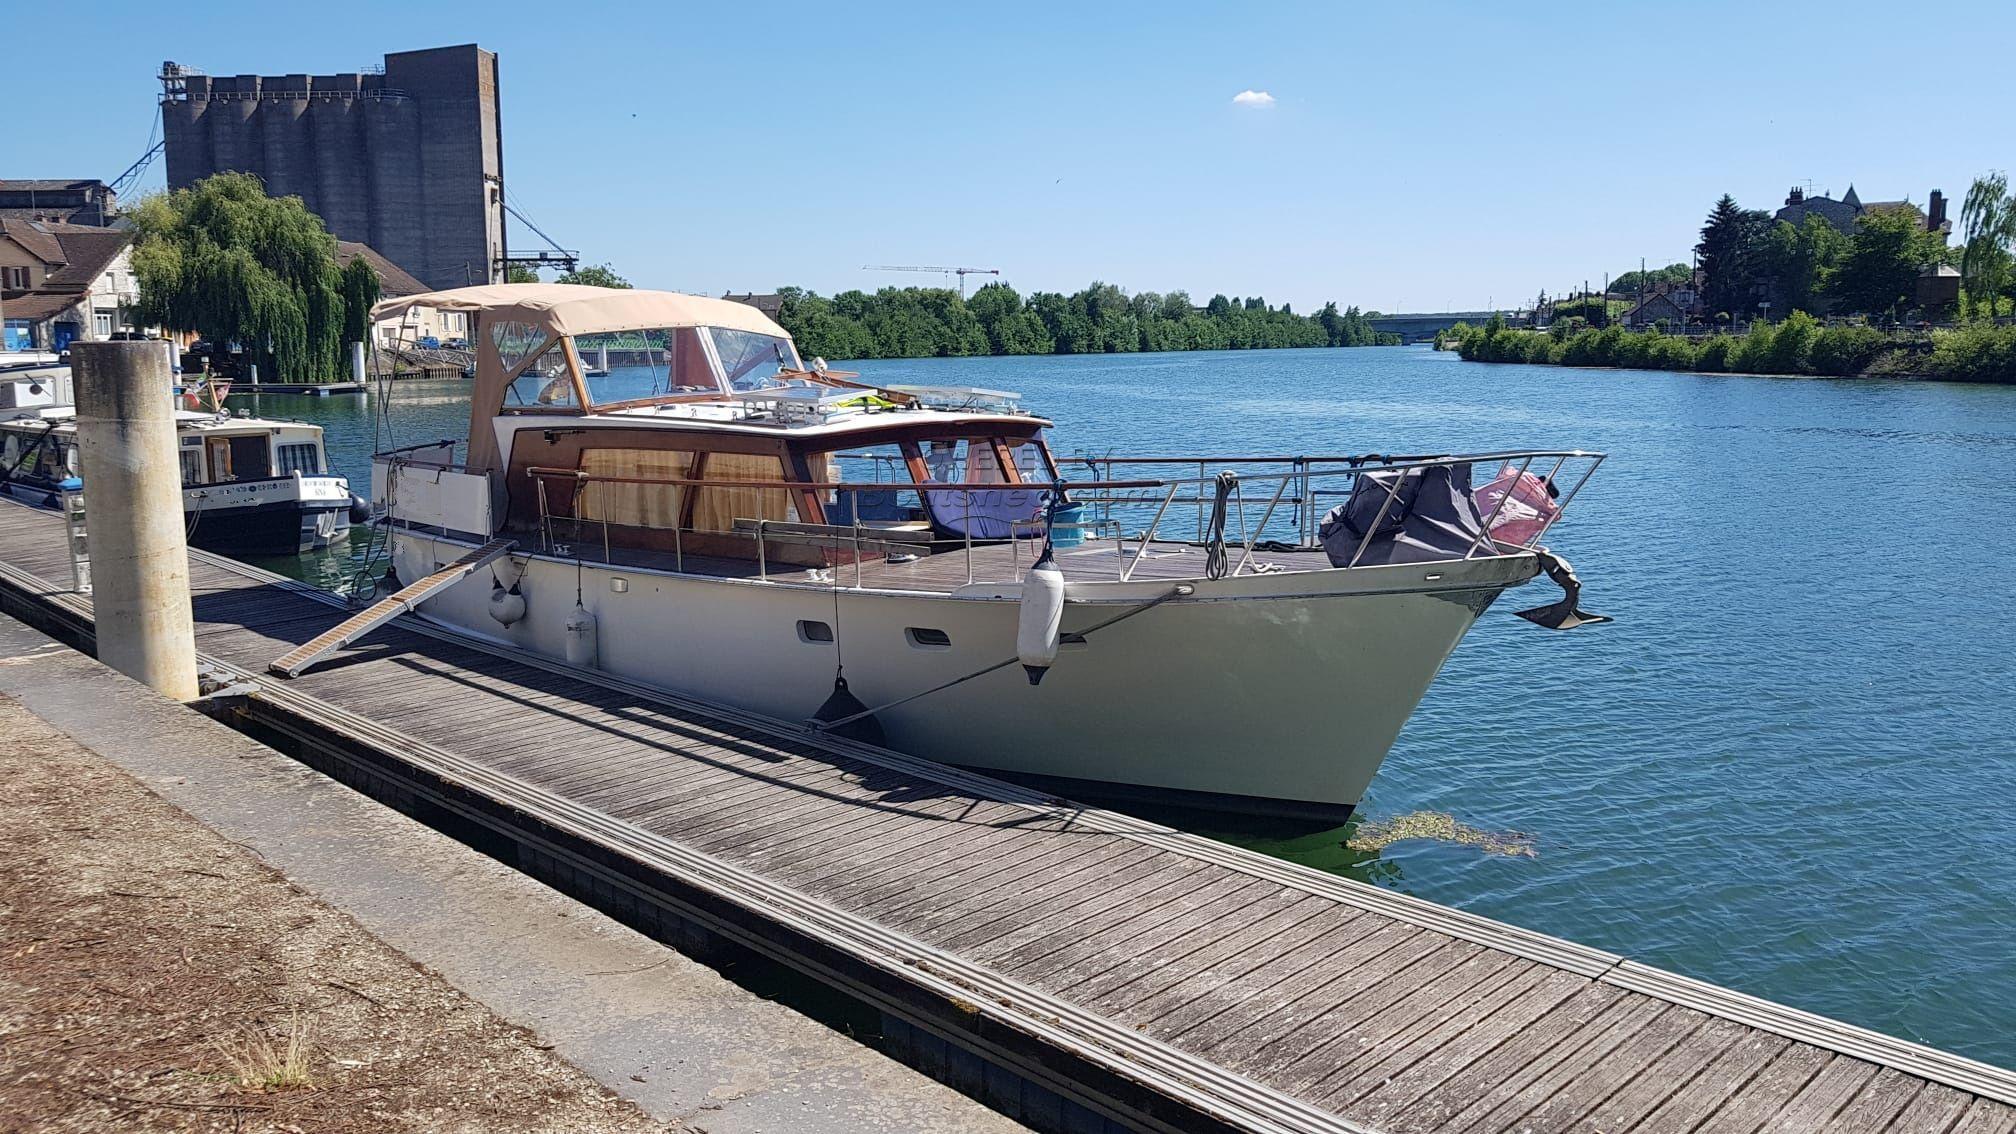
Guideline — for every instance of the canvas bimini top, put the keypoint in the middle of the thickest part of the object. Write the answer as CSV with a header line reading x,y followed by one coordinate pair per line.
x,y
530,340
578,309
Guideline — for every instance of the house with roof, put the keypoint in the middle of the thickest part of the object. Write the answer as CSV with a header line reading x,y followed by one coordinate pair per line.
x,y
58,200
395,282
771,304
1938,289
1661,303
1848,212
63,282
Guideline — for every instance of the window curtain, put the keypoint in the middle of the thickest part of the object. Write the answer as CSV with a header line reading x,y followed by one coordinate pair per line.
x,y
636,505
717,509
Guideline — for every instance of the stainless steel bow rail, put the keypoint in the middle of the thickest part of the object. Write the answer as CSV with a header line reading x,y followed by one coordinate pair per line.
x,y
1132,510
1095,971
1305,483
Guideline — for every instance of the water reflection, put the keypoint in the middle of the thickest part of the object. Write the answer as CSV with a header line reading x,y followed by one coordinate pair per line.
x,y
1314,843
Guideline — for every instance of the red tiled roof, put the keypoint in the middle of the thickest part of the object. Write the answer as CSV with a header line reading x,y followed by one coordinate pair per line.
x,y
35,238
39,305
393,280
75,254
87,252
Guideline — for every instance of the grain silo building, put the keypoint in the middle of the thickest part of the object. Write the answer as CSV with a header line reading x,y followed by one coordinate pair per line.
x,y
408,160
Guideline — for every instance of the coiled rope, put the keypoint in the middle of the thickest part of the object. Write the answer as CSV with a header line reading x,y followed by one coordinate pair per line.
x,y
1216,561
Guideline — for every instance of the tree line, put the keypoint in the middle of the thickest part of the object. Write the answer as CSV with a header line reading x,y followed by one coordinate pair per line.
x,y
1979,351
1748,259
225,261
926,322
1751,263
923,322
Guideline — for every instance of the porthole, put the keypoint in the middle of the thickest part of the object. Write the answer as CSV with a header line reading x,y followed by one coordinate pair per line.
x,y
926,638
814,633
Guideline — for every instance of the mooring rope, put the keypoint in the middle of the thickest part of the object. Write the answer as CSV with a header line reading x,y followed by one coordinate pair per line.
x,y
1216,561
828,726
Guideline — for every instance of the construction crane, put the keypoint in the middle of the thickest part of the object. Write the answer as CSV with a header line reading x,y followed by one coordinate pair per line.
x,y
962,273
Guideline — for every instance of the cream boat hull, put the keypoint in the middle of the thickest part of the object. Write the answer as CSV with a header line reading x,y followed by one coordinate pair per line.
x,y
1273,692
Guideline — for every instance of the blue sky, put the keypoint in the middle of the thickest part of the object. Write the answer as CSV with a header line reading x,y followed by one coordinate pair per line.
x,y
1413,157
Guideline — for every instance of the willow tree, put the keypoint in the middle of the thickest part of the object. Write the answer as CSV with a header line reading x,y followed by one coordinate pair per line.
x,y
228,262
360,293
1988,220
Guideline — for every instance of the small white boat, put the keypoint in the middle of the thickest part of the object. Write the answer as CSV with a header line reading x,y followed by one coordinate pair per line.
x,y
250,485
1182,628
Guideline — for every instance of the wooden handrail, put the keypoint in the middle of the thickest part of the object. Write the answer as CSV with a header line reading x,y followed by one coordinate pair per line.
x,y
846,486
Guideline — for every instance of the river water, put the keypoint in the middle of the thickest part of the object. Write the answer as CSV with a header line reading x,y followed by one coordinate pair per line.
x,y
1787,767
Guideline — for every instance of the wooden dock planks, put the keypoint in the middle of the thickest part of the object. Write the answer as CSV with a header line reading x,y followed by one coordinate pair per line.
x,y
1269,994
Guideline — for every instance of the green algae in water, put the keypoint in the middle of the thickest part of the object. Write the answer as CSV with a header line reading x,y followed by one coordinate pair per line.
x,y
1378,834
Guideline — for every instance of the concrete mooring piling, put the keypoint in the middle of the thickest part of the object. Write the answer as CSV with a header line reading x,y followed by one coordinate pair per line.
x,y
133,514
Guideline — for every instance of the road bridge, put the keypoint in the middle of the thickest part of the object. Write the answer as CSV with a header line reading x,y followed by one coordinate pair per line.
x,y
1424,326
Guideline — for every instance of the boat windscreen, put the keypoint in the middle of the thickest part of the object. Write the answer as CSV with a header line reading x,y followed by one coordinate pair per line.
x,y
751,361
624,366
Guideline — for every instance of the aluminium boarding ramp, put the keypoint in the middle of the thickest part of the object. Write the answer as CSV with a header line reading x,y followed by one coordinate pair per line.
x,y
296,661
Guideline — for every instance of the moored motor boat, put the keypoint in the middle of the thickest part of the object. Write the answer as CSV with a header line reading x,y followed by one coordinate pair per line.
x,y
250,486
691,522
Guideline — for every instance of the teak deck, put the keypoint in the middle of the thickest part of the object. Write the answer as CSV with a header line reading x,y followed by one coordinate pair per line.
x,y
1244,992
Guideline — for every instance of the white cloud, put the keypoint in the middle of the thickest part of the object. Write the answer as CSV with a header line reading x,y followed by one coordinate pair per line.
x,y
1256,100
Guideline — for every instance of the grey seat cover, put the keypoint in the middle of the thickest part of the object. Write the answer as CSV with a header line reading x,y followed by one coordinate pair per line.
x,y
1433,517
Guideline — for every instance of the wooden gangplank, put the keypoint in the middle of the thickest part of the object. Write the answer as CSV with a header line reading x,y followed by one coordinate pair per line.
x,y
1159,980
295,661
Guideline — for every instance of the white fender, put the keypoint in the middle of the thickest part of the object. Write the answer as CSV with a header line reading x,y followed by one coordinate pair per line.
x,y
579,631
1040,617
506,607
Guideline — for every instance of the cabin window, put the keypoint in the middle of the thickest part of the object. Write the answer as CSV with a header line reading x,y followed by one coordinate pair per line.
x,y
515,342
985,513
238,458
867,464
927,638
192,466
751,361
301,458
715,509
974,461
813,632
634,505
644,364
545,384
